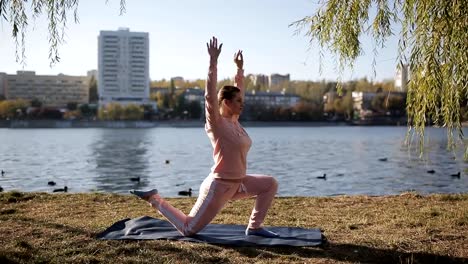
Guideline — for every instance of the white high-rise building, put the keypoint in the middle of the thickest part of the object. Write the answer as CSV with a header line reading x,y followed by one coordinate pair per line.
x,y
123,67
402,78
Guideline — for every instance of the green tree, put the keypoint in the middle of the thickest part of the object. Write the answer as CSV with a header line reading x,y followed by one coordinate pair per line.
x,y
160,84
36,103
133,112
85,110
433,36
194,110
14,12
93,91
72,106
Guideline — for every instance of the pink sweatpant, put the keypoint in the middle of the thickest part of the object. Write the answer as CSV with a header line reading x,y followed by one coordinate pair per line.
x,y
214,194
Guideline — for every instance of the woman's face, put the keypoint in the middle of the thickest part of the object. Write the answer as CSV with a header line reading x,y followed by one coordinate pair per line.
x,y
236,104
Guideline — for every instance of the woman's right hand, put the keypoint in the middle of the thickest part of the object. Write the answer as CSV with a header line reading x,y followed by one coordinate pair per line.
x,y
213,48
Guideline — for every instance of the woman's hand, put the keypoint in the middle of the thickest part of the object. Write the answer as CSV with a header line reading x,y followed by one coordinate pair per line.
x,y
213,48
239,59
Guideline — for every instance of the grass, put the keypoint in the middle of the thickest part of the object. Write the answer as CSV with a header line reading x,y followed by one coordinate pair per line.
x,y
408,228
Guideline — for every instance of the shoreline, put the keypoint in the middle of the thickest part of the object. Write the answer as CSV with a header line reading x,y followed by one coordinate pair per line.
x,y
31,124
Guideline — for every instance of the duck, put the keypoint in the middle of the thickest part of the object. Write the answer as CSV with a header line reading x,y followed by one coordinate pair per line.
x,y
135,179
431,171
1,189
456,175
168,161
186,193
324,177
3,172
64,189
51,183
383,159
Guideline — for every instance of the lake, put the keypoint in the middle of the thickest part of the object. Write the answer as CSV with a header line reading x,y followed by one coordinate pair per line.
x,y
104,160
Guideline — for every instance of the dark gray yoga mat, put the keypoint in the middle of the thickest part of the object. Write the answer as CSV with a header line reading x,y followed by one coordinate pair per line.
x,y
150,228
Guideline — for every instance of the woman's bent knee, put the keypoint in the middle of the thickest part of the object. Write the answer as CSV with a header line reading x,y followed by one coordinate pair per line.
x,y
274,184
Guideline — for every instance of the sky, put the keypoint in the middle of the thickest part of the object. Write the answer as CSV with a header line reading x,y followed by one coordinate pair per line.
x,y
178,32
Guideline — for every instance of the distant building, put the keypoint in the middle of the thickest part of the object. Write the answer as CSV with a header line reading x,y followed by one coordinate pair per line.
x,y
259,79
362,102
277,79
123,65
194,95
51,90
329,97
402,78
271,99
177,79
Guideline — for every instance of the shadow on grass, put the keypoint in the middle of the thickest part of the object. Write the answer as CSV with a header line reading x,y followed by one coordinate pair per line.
x,y
353,253
65,228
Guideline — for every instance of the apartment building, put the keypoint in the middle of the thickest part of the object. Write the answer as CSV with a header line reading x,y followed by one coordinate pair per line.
x,y
123,67
402,78
271,99
259,79
278,79
51,90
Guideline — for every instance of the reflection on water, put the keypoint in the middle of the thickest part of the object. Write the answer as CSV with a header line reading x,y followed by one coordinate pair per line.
x,y
121,159
105,160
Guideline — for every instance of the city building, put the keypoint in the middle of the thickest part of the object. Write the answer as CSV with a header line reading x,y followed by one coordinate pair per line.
x,y
259,79
363,108
329,97
178,79
50,90
123,67
402,78
271,99
194,95
362,103
278,79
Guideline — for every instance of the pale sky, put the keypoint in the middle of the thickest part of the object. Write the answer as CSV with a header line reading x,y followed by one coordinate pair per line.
x,y
178,32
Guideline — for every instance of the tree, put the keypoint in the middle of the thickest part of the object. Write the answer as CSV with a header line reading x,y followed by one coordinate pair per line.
x,y
93,91
11,108
36,103
433,36
13,12
72,106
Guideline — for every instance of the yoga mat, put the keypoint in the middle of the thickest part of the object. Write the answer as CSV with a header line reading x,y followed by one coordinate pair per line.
x,y
146,227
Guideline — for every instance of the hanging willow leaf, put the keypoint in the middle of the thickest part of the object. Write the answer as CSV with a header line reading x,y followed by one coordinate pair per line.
x,y
433,42
57,11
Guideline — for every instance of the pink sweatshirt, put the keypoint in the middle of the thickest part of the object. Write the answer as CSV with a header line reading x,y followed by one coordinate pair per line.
x,y
229,140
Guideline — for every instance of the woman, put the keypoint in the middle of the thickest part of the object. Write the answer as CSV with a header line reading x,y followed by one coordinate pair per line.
x,y
228,179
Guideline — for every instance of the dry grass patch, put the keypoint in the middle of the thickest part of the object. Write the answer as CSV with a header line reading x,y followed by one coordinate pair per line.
x,y
409,228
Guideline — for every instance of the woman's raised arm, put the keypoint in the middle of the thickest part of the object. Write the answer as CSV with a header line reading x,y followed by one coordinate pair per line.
x,y
239,79
211,99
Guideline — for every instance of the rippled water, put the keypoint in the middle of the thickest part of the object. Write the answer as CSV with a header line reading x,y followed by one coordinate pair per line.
x,y
104,160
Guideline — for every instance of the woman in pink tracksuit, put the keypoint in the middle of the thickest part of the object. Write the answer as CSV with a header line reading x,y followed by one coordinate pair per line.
x,y
228,179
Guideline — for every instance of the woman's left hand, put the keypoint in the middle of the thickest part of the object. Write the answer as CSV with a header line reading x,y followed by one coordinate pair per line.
x,y
239,59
